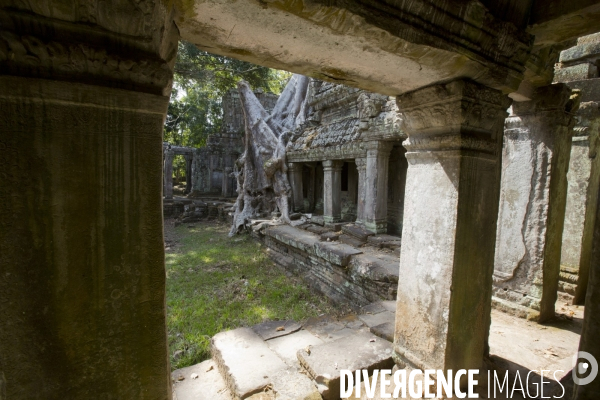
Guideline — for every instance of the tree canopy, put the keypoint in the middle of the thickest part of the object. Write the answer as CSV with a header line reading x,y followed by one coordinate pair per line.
x,y
201,79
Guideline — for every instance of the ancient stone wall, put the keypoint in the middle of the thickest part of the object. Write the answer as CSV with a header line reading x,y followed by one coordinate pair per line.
x,y
213,164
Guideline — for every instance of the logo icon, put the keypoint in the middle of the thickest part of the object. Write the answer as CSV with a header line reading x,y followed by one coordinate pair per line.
x,y
584,364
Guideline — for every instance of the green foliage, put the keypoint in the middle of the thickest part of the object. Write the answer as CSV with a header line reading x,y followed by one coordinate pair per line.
x,y
216,283
201,79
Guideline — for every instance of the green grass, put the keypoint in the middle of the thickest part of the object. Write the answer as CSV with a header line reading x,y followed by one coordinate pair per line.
x,y
217,283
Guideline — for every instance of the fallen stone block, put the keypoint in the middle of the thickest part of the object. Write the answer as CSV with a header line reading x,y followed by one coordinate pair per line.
x,y
357,232
360,351
351,241
330,236
377,319
249,367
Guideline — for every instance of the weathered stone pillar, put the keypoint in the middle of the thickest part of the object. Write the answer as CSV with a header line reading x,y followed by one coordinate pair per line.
x,y
188,172
376,186
583,184
361,168
168,174
332,191
451,203
295,178
83,92
591,323
537,143
226,188
310,192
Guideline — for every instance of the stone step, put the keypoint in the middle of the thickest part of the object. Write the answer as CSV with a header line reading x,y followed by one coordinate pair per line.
x,y
359,351
199,382
249,367
384,331
358,232
567,287
569,270
351,241
319,230
569,278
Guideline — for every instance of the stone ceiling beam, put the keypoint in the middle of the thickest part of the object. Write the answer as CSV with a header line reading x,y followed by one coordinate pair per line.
x,y
375,45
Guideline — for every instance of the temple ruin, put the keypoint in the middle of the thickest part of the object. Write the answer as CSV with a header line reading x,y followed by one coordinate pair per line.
x,y
482,161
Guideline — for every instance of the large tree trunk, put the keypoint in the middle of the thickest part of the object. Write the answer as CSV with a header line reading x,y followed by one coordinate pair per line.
x,y
261,171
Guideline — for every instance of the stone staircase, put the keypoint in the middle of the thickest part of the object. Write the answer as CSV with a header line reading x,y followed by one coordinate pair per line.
x,y
567,283
288,361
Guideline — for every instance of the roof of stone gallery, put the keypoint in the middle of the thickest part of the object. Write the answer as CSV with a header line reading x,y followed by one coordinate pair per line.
x,y
342,116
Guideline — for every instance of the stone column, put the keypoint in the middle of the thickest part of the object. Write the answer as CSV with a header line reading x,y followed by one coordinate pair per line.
x,y
168,174
537,143
361,168
591,323
451,203
295,177
226,189
376,186
580,214
83,92
188,172
311,187
332,190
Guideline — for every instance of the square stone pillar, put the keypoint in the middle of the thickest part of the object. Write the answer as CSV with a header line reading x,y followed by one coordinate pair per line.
x,y
580,214
591,320
361,168
376,186
168,174
451,203
295,177
188,172
332,191
310,193
535,158
226,190
84,91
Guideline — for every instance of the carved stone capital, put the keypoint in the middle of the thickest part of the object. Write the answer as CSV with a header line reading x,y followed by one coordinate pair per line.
x,y
378,148
361,164
332,165
459,115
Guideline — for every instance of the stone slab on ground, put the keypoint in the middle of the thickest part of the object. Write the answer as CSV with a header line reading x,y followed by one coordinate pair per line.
x,y
294,237
209,385
245,361
360,351
319,230
317,219
384,331
330,236
249,366
286,347
272,329
373,308
358,232
335,253
377,319
377,240
351,241
389,305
